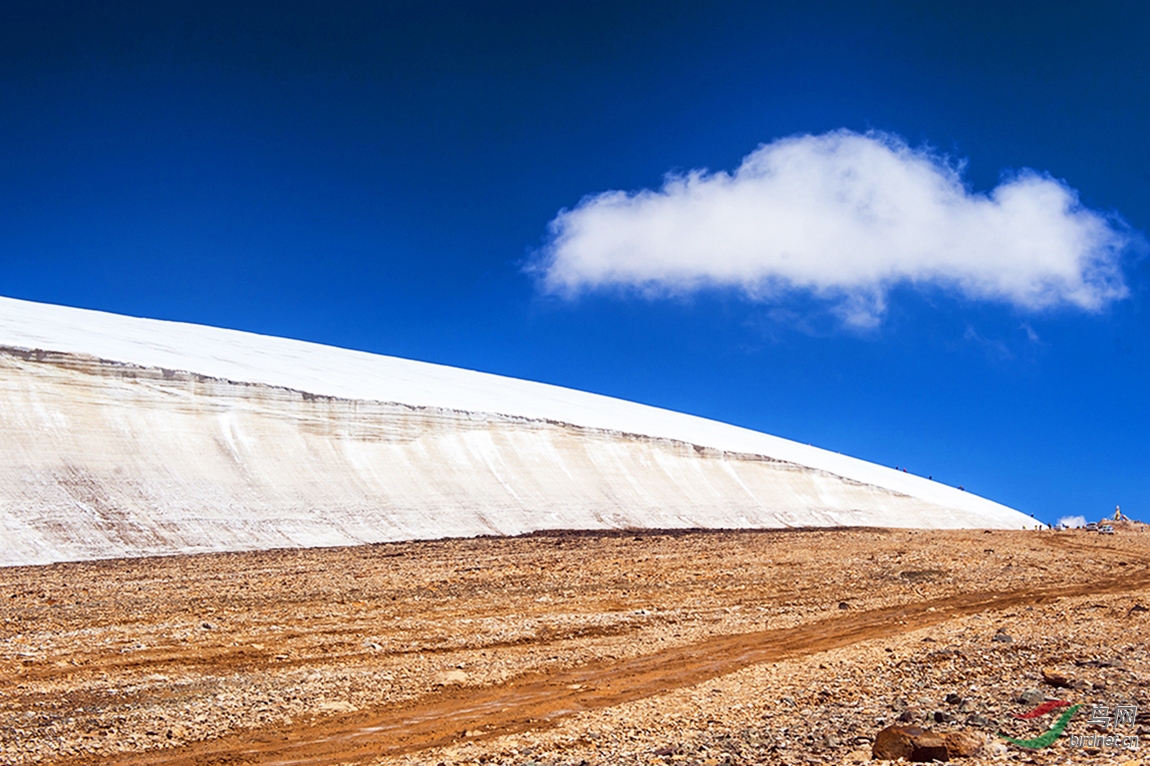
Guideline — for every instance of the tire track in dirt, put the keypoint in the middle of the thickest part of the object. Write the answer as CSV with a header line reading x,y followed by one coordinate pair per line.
x,y
536,701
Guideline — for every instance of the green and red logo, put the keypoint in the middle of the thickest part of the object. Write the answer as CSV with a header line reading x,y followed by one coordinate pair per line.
x,y
1048,737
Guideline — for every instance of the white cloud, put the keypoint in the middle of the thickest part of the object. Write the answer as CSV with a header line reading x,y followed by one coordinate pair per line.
x,y
843,216
1072,522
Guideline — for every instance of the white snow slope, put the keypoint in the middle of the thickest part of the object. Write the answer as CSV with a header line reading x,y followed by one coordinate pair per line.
x,y
123,437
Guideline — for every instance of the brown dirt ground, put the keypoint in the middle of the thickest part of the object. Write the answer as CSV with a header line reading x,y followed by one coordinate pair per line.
x,y
654,647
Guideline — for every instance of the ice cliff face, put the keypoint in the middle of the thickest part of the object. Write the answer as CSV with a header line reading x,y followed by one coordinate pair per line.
x,y
127,437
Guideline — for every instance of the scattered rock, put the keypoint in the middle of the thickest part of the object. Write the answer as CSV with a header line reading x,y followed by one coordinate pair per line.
x,y
977,720
844,605
1002,637
943,717
954,699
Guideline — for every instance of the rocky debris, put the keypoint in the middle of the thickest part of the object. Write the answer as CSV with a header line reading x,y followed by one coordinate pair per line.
x,y
1002,637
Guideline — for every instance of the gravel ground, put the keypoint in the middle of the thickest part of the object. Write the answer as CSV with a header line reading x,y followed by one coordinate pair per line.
x,y
686,647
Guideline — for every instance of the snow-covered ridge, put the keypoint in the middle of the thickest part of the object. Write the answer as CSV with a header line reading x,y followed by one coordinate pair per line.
x,y
90,391
347,374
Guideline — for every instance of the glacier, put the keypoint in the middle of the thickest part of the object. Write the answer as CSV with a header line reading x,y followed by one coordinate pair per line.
x,y
123,436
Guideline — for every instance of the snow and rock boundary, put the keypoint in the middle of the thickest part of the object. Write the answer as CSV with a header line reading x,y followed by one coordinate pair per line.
x,y
127,436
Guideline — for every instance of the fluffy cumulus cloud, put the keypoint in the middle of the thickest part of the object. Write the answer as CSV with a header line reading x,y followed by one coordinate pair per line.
x,y
844,216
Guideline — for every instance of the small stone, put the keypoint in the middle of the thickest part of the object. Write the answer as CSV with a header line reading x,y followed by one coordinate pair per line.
x,y
1031,697
844,605
909,742
1002,638
977,720
954,699
1055,678
943,717
908,716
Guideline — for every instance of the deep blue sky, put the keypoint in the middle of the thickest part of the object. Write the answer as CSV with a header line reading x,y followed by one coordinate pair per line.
x,y
377,178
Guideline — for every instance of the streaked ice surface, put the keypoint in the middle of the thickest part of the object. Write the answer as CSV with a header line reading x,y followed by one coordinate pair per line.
x,y
136,436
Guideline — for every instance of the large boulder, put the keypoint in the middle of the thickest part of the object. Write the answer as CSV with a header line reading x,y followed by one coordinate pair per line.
x,y
913,743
